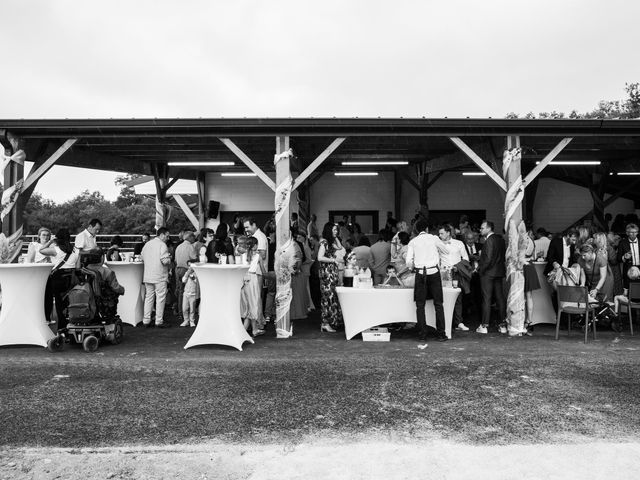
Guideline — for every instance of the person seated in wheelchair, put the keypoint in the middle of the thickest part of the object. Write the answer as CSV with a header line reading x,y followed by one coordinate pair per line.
x,y
107,287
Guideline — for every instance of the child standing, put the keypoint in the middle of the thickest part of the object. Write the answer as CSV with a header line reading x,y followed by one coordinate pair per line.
x,y
189,297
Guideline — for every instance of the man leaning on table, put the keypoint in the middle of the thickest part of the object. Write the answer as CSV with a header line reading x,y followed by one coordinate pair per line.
x,y
423,257
86,240
156,259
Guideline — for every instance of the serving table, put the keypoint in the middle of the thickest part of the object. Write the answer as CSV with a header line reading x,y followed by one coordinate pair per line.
x,y
220,321
543,311
131,304
22,319
364,308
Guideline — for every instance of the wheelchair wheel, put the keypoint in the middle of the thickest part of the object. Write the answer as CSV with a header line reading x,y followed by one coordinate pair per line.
x,y
116,337
90,344
55,344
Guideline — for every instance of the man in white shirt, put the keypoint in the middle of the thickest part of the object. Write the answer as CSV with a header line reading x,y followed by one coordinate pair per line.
x,y
423,256
252,229
312,228
156,259
448,261
541,242
86,240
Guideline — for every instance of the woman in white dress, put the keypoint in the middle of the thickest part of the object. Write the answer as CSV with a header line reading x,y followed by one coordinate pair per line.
x,y
250,296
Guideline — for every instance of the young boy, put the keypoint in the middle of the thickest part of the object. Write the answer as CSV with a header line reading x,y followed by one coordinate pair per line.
x,y
190,295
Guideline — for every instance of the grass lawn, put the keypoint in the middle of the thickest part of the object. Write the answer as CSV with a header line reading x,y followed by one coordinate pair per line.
x,y
475,389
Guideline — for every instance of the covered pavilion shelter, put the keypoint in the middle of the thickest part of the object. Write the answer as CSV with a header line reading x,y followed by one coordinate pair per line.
x,y
362,167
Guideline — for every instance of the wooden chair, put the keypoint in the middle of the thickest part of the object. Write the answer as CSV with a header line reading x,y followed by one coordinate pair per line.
x,y
634,302
574,300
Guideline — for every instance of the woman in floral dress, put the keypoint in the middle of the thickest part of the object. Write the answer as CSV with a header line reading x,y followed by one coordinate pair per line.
x,y
329,246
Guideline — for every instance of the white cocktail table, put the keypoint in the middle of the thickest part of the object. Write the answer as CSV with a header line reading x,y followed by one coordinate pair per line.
x,y
364,308
543,311
22,320
131,304
220,321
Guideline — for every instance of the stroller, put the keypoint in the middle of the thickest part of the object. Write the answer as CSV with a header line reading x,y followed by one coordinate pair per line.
x,y
91,314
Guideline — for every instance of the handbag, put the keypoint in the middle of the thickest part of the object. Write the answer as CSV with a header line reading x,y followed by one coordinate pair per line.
x,y
563,276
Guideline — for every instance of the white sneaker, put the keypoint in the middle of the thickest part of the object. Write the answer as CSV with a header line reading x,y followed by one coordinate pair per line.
x,y
192,324
502,329
185,323
482,329
462,327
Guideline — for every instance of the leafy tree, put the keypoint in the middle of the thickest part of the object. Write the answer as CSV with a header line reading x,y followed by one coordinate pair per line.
x,y
606,109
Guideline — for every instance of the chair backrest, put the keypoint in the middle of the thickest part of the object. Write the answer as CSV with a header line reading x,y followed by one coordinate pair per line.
x,y
634,292
567,293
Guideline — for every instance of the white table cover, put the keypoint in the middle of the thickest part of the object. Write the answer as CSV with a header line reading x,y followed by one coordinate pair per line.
x,y
543,311
363,308
220,321
131,304
22,320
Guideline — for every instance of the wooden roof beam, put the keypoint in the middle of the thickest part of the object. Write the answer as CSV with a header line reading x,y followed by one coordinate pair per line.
x,y
317,162
491,173
249,163
547,160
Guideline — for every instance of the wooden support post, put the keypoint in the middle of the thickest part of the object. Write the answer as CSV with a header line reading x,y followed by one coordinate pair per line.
x,y
513,175
529,199
397,190
13,174
160,179
202,206
283,278
597,189
423,192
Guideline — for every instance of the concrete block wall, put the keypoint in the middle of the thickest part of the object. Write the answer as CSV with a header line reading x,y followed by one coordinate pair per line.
x,y
557,203
357,193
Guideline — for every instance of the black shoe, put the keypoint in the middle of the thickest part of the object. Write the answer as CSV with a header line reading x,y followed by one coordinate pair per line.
x,y
164,325
443,338
149,325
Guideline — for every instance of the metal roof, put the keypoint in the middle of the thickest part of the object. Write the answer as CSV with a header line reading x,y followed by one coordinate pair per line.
x,y
133,145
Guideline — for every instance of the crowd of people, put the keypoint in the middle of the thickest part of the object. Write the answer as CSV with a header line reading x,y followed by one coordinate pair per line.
x,y
412,254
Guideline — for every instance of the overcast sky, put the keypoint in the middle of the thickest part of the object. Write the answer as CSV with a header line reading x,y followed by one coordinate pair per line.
x,y
181,58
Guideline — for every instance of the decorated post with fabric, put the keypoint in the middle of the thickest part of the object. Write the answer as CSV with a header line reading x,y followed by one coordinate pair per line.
x,y
10,246
284,186
516,240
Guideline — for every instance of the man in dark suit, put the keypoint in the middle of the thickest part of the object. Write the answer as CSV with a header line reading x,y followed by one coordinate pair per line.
x,y
562,250
629,252
473,300
491,267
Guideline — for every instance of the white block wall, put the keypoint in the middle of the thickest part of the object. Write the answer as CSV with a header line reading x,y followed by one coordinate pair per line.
x,y
452,191
558,204
352,193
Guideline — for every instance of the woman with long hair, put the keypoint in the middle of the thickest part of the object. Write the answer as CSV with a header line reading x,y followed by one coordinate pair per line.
x,y
64,260
594,273
606,251
329,245
221,247
250,297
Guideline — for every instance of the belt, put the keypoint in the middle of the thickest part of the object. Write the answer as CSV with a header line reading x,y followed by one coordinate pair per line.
x,y
426,270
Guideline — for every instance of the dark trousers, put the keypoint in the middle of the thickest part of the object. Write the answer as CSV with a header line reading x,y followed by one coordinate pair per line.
x,y
48,300
180,271
59,284
492,288
429,287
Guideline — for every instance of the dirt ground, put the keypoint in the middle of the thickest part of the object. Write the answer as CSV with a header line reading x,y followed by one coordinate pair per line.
x,y
476,407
